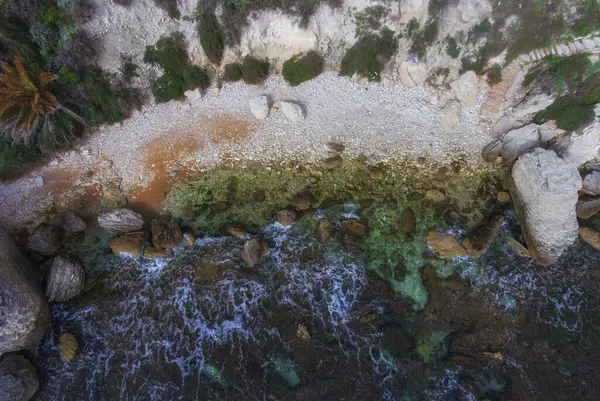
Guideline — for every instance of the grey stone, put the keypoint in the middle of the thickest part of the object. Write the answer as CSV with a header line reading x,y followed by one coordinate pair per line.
x,y
120,221
44,240
69,221
24,312
519,141
591,183
259,107
252,252
465,88
65,280
544,190
18,378
292,111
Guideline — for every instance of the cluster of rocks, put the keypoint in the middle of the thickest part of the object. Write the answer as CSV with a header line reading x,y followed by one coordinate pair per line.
x,y
130,238
546,186
260,107
24,303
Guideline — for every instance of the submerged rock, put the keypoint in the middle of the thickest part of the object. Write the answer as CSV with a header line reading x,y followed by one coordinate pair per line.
x,y
24,312
376,173
517,247
300,203
544,190
67,345
286,217
259,107
66,280
252,252
18,378
435,196
70,222
325,231
120,221
44,240
302,332
591,237
154,252
354,228
236,231
478,242
165,233
444,246
407,221
588,208
130,243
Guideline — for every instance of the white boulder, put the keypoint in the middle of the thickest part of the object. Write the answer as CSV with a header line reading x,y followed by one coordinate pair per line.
x,y
259,106
292,111
544,189
465,88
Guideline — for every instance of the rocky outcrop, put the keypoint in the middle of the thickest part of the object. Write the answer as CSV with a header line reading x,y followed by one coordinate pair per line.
x,y
166,233
18,378
478,242
444,246
120,221
465,88
259,107
412,74
24,311
292,111
44,240
67,346
544,190
66,280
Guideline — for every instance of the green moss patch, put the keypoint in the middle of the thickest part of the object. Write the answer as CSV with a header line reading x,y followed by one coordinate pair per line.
x,y
369,53
179,74
301,68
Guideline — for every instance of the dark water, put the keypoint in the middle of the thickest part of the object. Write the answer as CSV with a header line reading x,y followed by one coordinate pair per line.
x,y
314,322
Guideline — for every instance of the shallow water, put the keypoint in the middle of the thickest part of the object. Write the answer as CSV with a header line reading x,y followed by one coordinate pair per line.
x,y
315,321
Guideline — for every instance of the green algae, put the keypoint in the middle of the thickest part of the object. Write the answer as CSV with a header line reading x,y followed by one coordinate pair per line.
x,y
285,369
433,347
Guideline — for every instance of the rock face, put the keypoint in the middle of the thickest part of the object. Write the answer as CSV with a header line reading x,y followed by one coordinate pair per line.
x,y
130,243
24,312
519,141
259,107
444,246
292,111
591,183
591,237
165,233
66,280
44,240
70,222
544,190
465,88
478,242
18,378
67,345
286,217
252,252
120,221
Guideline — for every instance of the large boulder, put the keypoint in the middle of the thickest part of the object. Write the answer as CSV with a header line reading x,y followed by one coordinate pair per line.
x,y
166,233
65,280
120,221
259,106
519,141
70,222
591,237
584,144
24,312
544,190
412,74
18,378
44,240
465,88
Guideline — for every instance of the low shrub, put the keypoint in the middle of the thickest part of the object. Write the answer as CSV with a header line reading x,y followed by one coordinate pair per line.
x,y
179,74
15,157
254,71
368,54
424,38
211,37
412,27
452,47
494,74
301,68
232,72
480,30
128,68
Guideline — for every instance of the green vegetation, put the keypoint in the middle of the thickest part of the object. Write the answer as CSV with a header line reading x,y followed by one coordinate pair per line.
x,y
368,55
412,27
14,158
370,18
589,18
474,63
211,37
179,74
494,74
232,72
424,38
128,68
254,71
170,6
452,47
480,30
301,68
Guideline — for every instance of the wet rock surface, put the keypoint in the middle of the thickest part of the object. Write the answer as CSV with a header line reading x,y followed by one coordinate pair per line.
x,y
120,221
478,242
445,246
66,280
166,233
18,378
24,311
67,346
130,243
